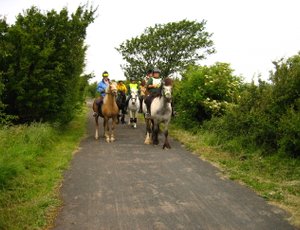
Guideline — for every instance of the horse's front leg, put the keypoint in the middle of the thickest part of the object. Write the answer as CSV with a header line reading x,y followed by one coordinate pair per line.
x,y
106,129
113,126
148,139
97,128
166,133
155,133
130,117
134,119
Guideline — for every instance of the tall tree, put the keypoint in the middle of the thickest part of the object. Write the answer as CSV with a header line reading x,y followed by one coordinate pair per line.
x,y
43,81
171,47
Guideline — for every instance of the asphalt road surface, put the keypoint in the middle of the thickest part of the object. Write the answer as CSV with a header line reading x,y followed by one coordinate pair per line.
x,y
129,185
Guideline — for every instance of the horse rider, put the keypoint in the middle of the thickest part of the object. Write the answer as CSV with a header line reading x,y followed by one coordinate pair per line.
x,y
153,86
148,75
122,91
101,87
142,89
133,85
121,87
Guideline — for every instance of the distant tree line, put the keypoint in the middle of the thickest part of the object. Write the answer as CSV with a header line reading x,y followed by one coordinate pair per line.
x,y
42,57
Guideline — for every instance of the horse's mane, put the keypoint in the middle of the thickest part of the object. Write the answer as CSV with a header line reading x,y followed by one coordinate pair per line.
x,y
168,81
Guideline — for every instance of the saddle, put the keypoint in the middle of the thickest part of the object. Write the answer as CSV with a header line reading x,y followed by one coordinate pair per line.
x,y
149,99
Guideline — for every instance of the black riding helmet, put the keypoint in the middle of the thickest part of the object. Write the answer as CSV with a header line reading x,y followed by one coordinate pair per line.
x,y
149,71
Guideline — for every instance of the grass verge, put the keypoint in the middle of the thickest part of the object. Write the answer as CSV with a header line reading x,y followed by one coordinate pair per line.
x,y
276,178
32,160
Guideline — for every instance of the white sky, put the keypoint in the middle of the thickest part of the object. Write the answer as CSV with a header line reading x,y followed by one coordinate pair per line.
x,y
249,34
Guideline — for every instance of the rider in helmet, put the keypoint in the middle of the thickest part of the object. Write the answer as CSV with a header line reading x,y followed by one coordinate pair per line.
x,y
133,85
121,87
121,99
153,86
148,75
101,87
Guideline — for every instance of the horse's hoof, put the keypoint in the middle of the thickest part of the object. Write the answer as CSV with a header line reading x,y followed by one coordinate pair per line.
x,y
166,146
112,139
134,126
107,140
147,142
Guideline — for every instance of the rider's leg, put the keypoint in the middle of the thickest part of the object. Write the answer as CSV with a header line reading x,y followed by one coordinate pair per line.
x,y
141,104
97,106
148,104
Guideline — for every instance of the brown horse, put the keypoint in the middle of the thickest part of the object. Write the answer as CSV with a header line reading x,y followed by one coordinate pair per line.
x,y
108,110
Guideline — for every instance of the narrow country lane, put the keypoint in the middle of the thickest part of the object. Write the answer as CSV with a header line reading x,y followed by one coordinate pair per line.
x,y
128,185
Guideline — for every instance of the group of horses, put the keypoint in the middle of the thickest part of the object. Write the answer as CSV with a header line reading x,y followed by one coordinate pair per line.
x,y
160,112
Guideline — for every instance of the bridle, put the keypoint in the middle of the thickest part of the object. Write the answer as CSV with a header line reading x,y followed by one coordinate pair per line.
x,y
167,94
134,99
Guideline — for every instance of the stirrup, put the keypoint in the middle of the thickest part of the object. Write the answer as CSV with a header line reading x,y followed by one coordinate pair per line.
x,y
95,114
147,115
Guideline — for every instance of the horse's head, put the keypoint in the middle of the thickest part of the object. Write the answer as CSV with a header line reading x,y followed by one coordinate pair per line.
x,y
112,89
167,89
134,96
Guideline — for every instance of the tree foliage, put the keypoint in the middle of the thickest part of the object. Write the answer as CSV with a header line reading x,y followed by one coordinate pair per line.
x,y
44,59
171,47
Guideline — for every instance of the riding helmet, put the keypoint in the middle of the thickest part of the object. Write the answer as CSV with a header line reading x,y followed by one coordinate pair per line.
x,y
149,71
105,74
156,70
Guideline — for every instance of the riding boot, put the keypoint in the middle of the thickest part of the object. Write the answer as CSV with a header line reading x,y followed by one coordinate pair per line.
x,y
148,101
141,105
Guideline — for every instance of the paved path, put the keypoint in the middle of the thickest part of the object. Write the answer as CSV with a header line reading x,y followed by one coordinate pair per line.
x,y
128,185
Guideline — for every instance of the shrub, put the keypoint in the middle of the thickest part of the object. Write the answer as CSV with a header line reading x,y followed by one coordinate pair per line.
x,y
267,115
289,133
205,92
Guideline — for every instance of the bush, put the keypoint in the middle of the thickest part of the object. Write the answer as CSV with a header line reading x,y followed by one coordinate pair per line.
x,y
289,133
205,92
267,116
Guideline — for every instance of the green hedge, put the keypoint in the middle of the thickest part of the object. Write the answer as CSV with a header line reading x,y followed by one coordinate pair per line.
x,y
264,116
205,92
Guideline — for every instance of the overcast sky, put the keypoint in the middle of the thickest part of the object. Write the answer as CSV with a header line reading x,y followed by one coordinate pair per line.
x,y
249,34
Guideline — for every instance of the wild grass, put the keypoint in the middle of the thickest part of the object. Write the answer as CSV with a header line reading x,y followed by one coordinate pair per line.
x,y
274,177
32,160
